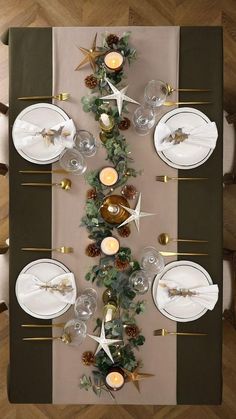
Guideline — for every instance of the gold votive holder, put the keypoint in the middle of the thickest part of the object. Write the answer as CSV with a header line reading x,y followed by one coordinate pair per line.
x,y
113,61
115,379
107,125
112,211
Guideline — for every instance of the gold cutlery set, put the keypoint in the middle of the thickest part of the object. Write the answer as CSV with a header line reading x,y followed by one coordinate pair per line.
x,y
165,239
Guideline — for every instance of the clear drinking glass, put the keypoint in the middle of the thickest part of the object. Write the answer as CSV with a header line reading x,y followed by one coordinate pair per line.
x,y
143,120
85,142
86,304
155,93
72,161
76,331
151,260
139,280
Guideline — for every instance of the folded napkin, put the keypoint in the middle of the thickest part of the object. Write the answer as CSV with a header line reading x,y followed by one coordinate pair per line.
x,y
33,291
26,134
204,135
204,296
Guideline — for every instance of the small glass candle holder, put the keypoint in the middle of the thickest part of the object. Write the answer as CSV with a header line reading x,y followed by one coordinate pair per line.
x,y
108,176
110,246
106,122
113,61
115,379
143,120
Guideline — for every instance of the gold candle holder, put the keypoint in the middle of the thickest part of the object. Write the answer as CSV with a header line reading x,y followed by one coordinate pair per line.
x,y
111,210
106,122
113,61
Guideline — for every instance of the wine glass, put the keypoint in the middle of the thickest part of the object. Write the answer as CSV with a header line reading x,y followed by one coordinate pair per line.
x,y
151,260
155,93
72,161
86,304
75,331
86,143
143,120
139,281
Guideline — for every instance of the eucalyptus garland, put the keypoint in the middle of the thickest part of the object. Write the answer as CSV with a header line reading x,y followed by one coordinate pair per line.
x,y
111,272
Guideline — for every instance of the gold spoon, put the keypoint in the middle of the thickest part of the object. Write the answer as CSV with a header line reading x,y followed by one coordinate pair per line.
x,y
64,184
171,89
164,239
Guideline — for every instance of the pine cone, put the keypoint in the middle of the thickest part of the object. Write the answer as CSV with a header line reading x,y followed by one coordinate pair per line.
x,y
92,193
91,81
93,250
121,265
88,358
129,191
124,231
132,330
124,124
112,39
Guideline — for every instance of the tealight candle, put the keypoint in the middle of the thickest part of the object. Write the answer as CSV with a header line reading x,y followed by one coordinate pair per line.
x,y
114,60
106,122
115,379
110,246
108,176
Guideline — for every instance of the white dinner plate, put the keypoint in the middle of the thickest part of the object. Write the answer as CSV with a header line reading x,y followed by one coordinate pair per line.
x,y
183,156
191,275
45,115
45,270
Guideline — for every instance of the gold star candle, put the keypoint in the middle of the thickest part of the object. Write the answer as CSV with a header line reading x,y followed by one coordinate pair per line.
x,y
113,61
108,176
110,246
115,379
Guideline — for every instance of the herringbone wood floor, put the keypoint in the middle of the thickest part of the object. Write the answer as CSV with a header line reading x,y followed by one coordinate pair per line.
x,y
123,12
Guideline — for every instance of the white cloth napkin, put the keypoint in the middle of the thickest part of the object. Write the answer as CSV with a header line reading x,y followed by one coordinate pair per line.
x,y
26,134
205,296
204,135
32,293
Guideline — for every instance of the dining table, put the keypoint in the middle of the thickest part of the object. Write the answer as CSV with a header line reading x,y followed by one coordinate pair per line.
x,y
186,370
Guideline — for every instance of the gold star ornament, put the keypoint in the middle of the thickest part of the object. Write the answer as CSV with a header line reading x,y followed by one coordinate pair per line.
x,y
90,55
136,376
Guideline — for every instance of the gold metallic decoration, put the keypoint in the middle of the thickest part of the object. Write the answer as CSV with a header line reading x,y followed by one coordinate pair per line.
x,y
90,55
112,211
136,376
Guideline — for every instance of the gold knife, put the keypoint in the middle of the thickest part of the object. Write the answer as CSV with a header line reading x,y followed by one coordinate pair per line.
x,y
43,325
43,171
185,103
182,254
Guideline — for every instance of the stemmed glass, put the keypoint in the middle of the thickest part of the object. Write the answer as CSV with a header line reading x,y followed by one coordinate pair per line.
x,y
86,304
151,260
72,161
143,120
139,281
75,332
155,93
86,143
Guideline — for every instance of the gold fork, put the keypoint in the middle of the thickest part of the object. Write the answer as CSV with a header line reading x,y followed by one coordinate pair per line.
x,y
184,103
164,178
61,249
60,96
164,332
171,89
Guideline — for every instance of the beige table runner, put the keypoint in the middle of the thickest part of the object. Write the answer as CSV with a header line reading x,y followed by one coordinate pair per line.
x,y
158,50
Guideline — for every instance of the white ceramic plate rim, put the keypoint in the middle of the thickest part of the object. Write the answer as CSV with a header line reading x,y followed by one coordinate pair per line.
x,y
24,270
172,265
163,120
21,115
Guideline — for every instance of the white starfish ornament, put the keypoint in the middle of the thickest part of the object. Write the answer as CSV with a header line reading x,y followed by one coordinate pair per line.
x,y
119,96
136,214
104,343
